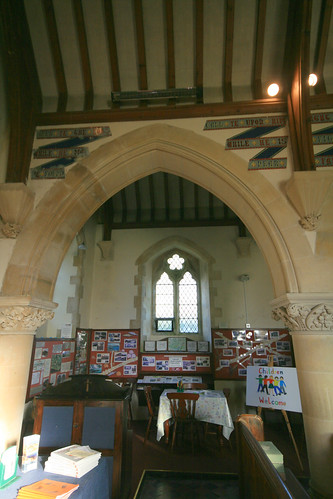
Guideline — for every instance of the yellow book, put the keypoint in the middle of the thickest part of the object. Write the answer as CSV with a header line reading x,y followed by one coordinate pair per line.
x,y
47,489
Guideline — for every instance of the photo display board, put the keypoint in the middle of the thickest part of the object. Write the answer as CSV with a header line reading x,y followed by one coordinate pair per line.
x,y
52,362
111,352
180,363
236,349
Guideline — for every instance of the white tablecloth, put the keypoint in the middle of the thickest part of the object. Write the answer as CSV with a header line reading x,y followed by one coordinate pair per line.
x,y
211,407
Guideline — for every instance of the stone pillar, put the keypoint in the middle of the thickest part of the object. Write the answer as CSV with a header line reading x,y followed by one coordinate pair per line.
x,y
310,320
19,319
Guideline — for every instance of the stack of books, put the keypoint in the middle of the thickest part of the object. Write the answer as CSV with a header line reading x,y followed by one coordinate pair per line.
x,y
74,460
47,489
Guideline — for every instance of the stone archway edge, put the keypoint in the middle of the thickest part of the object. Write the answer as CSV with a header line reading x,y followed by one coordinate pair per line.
x,y
52,225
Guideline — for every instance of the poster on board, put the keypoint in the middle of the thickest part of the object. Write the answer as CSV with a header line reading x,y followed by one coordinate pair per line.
x,y
273,387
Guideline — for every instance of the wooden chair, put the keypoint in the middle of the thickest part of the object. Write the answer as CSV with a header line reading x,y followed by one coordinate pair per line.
x,y
195,386
182,405
217,429
151,410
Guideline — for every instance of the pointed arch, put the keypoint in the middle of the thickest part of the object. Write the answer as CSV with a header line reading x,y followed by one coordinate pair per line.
x,y
43,242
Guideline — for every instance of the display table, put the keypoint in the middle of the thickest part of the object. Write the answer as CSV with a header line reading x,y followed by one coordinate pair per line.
x,y
96,483
211,407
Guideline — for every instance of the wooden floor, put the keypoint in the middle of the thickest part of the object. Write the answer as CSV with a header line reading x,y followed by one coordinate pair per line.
x,y
208,457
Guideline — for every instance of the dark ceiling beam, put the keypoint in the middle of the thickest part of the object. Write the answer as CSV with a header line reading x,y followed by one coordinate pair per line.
x,y
140,38
171,71
123,206
166,196
321,45
177,223
84,53
151,197
22,88
56,54
298,42
138,201
199,49
228,52
165,112
108,219
259,50
181,198
113,55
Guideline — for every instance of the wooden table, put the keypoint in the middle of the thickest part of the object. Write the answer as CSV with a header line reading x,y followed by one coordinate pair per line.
x,y
211,407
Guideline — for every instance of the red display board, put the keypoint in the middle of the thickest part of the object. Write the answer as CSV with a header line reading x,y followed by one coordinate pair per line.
x,y
235,349
172,363
52,361
111,352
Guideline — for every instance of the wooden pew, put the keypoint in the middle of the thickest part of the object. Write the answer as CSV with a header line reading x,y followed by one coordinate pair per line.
x,y
258,478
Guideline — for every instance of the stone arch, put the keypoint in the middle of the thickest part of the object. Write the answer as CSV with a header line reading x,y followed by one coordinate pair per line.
x,y
51,227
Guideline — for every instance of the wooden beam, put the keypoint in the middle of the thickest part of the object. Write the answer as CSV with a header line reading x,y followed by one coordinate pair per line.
x,y
152,197
259,50
321,45
165,112
170,43
123,206
181,198
177,223
113,55
108,219
56,54
141,45
138,201
228,50
22,88
199,49
298,98
84,53
166,196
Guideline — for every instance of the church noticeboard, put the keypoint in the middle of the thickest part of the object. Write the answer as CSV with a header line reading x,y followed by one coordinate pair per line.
x,y
236,349
52,362
110,352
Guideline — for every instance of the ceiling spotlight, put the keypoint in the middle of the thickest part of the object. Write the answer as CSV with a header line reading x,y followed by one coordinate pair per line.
x,y
273,89
312,79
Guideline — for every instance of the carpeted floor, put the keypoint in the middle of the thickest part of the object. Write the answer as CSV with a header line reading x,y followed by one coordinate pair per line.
x,y
208,457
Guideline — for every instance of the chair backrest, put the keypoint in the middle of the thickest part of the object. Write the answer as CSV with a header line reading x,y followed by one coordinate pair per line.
x,y
254,423
183,404
195,386
149,400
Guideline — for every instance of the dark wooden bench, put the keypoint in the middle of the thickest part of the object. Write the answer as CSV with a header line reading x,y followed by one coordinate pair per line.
x,y
258,478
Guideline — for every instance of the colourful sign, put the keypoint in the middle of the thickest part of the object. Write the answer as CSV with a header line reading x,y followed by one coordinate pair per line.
x,y
273,388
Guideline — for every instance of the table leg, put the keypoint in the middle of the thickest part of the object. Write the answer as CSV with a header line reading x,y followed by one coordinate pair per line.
x,y
166,430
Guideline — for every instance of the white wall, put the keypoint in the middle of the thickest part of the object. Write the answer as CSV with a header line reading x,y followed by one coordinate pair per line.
x,y
111,289
62,292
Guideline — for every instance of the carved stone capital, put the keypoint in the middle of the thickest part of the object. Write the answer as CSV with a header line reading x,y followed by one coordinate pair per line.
x,y
16,203
23,318
310,222
20,315
305,315
307,192
11,230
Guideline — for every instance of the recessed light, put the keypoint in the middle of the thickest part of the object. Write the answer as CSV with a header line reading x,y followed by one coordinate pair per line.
x,y
273,89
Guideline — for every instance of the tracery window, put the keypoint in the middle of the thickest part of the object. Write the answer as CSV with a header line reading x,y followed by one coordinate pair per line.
x,y
176,296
